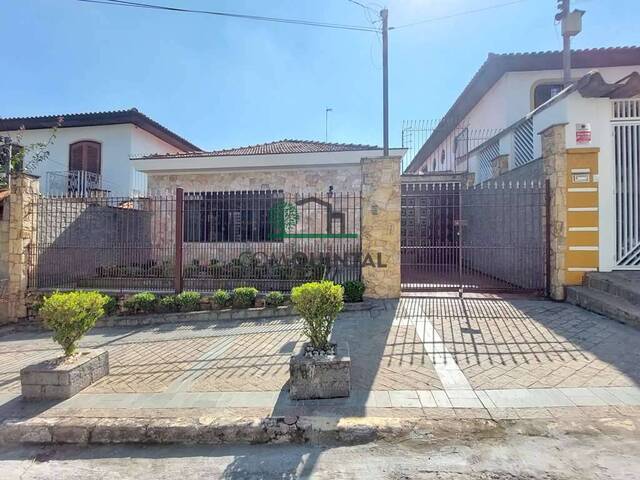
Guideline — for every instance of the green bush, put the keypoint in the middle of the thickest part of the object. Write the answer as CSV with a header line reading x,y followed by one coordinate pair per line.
x,y
168,304
319,304
274,299
70,315
111,305
188,301
143,302
222,298
244,297
353,291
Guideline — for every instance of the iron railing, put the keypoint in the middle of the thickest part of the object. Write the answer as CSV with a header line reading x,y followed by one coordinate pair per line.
x,y
195,241
78,183
440,145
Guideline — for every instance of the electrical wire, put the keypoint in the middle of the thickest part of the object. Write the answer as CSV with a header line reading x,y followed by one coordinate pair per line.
x,y
309,23
459,14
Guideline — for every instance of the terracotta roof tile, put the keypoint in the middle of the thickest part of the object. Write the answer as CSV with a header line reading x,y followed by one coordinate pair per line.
x,y
275,148
113,117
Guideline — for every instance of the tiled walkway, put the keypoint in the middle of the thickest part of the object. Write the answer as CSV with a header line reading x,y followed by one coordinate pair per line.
x,y
417,353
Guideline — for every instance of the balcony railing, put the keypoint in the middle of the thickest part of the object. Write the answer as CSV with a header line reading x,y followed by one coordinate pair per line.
x,y
75,182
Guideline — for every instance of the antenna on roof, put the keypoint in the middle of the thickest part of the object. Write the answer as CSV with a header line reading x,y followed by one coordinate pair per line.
x,y
326,123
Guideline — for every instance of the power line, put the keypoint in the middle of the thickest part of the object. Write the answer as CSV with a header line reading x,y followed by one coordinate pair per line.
x,y
309,23
459,14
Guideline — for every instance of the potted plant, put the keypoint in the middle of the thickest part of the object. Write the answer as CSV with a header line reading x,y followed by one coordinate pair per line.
x,y
320,369
70,315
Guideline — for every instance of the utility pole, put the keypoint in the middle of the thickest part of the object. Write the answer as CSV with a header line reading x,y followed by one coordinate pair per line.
x,y
384,15
326,123
564,6
571,26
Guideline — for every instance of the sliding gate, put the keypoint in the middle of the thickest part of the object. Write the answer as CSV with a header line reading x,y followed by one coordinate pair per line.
x,y
491,237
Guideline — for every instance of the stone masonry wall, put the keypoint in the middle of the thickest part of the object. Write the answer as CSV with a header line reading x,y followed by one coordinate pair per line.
x,y
24,189
381,226
305,180
554,155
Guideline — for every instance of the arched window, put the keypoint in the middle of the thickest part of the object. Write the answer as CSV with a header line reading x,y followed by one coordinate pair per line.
x,y
85,156
443,157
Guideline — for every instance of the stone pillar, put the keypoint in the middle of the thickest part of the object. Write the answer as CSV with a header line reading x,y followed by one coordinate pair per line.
x,y
554,153
24,191
380,228
499,165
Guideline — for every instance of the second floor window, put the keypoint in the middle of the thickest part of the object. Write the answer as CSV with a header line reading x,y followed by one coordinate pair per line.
x,y
85,156
544,92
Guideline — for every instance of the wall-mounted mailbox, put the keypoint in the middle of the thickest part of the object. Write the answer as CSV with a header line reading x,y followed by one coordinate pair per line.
x,y
581,177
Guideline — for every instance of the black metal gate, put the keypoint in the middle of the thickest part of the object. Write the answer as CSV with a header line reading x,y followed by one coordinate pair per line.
x,y
491,237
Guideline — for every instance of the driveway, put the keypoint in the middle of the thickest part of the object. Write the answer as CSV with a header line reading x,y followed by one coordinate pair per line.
x,y
416,353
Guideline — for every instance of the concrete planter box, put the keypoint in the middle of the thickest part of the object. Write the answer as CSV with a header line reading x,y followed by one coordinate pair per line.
x,y
60,379
320,377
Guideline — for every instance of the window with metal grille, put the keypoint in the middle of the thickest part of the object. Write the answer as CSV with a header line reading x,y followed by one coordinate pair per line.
x,y
487,155
523,143
230,216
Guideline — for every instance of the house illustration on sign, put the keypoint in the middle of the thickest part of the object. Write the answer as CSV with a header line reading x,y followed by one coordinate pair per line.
x,y
284,217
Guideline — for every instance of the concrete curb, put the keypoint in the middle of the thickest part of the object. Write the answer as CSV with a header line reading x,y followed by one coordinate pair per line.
x,y
318,430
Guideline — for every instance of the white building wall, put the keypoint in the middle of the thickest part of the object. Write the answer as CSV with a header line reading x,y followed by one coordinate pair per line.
x,y
143,143
510,99
118,143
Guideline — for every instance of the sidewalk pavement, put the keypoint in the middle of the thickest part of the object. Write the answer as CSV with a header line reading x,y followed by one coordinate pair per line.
x,y
417,358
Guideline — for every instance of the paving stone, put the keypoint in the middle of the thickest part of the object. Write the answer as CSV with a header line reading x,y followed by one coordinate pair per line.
x,y
404,399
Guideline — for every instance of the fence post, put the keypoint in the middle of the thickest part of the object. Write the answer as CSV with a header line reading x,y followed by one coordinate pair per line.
x,y
547,238
179,239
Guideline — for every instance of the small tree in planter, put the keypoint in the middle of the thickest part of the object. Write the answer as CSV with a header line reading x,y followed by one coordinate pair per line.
x,y
320,369
319,304
70,315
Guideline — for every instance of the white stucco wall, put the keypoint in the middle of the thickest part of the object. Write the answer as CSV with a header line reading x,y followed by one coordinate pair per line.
x,y
510,99
118,142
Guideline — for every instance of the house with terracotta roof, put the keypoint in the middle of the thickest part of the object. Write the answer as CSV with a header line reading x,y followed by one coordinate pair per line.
x,y
301,166
91,151
505,89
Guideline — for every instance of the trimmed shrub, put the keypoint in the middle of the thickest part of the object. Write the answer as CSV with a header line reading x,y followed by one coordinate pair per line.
x,y
70,315
353,291
221,298
111,305
274,299
188,301
167,304
319,304
244,297
143,302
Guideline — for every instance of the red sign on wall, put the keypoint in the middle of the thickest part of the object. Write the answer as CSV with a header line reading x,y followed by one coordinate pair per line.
x,y
583,133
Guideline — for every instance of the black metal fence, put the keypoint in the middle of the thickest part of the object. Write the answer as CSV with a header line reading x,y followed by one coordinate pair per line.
x,y
202,241
491,237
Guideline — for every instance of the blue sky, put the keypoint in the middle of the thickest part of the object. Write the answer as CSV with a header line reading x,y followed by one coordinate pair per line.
x,y
223,82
